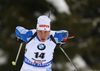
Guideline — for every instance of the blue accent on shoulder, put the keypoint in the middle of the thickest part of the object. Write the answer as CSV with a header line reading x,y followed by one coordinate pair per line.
x,y
37,37
48,37
60,35
24,36
65,34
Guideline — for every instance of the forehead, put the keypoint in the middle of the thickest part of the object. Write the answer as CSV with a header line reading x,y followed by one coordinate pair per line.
x,y
42,31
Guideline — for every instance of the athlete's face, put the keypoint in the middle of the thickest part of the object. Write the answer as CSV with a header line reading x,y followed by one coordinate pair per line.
x,y
43,35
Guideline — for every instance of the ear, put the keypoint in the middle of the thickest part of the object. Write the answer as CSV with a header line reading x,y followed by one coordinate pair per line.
x,y
36,30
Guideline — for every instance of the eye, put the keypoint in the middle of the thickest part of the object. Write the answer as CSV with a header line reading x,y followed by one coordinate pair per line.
x,y
40,31
45,32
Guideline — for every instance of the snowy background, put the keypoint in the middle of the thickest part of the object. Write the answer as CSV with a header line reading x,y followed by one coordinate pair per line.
x,y
80,17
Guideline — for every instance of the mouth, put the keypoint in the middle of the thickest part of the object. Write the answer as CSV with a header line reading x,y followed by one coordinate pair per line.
x,y
42,39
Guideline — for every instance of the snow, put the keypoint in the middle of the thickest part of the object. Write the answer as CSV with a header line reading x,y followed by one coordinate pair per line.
x,y
3,57
79,63
60,5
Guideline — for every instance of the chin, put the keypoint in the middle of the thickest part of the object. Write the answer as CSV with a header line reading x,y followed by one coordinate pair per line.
x,y
43,40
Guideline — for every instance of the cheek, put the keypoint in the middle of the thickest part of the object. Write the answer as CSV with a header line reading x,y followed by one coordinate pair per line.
x,y
39,35
47,35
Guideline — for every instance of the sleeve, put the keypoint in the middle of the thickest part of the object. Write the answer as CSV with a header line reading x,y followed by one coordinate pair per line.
x,y
61,36
23,33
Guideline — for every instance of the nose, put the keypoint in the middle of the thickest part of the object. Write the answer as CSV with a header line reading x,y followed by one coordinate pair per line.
x,y
43,35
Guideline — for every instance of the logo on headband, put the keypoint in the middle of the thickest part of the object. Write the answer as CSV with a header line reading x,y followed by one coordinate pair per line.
x,y
46,26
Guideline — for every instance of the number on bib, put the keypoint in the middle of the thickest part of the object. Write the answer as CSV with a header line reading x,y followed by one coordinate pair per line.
x,y
37,55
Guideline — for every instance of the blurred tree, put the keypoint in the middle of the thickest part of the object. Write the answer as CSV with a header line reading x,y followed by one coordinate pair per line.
x,y
80,23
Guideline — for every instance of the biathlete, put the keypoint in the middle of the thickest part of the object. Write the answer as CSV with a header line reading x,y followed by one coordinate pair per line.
x,y
39,45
